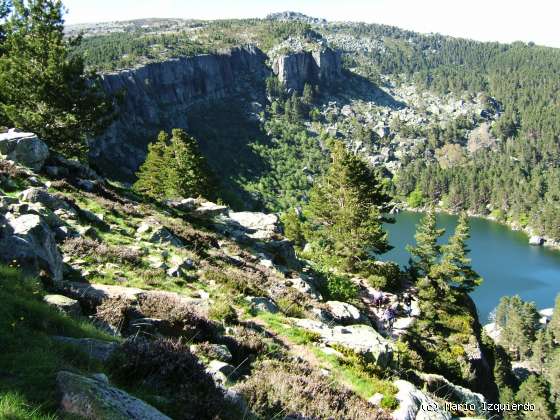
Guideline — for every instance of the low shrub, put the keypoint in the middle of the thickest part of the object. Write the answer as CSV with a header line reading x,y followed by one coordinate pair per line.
x,y
279,389
222,310
339,287
100,252
168,367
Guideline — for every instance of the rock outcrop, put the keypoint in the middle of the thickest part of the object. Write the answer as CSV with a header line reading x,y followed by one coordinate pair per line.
x,y
415,405
361,339
94,398
296,69
24,148
158,95
28,240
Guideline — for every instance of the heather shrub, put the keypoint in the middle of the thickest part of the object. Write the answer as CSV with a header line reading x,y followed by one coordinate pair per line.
x,y
222,310
290,389
169,368
100,252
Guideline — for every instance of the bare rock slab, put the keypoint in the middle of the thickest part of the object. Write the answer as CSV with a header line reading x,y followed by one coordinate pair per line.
x,y
93,398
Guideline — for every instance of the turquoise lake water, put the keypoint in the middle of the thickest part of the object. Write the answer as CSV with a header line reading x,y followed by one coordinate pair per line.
x,y
504,258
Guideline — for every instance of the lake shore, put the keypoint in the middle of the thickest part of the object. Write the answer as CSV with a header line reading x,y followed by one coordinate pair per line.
x,y
547,242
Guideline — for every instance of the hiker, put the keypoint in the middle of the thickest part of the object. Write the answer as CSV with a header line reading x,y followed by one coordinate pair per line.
x,y
389,318
408,304
378,298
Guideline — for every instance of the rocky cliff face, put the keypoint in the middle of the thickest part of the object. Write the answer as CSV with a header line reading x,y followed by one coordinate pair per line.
x,y
157,96
296,69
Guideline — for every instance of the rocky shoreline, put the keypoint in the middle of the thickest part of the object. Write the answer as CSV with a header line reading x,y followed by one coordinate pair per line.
x,y
532,238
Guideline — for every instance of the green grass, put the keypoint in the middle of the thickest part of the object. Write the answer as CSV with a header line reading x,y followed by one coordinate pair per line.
x,y
361,382
279,324
30,359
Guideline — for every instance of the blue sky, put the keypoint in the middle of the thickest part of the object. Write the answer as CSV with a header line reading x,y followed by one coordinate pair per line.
x,y
485,20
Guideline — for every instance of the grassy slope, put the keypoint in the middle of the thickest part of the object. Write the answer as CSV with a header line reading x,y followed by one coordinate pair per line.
x,y
29,358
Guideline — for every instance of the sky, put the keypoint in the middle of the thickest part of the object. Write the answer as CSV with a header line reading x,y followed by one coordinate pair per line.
x,y
483,20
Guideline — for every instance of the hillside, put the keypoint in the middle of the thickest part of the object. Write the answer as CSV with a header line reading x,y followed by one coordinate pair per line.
x,y
468,125
197,231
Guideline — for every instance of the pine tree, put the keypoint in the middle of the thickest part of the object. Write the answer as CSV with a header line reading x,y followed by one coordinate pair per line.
x,y
554,325
308,95
541,349
187,173
43,86
427,251
152,175
534,390
455,264
346,207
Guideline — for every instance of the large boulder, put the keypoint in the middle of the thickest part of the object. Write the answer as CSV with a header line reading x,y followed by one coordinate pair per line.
x,y
24,148
344,313
255,225
96,349
536,240
441,387
64,304
28,241
48,200
361,339
93,398
415,405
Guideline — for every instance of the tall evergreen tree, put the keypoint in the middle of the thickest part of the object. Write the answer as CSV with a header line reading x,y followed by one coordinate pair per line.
x,y
554,325
187,173
455,264
152,175
427,251
43,87
346,207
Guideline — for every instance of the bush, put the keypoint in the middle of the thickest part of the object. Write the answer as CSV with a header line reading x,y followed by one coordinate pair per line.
x,y
384,275
169,368
416,198
221,310
296,390
340,288
290,307
100,252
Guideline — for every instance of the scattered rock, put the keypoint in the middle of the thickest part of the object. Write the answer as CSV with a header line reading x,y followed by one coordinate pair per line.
x,y
375,399
536,240
161,235
64,304
344,313
186,204
96,349
255,225
29,241
93,398
42,196
304,284
440,386
362,339
220,371
262,304
219,352
412,403
24,148
208,210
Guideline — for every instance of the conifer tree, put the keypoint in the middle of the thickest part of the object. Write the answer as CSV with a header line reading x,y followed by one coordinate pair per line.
x,y
152,175
346,207
554,325
187,173
427,251
542,349
455,265
43,86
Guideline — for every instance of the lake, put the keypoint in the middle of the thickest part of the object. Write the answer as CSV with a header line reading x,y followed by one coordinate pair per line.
x,y
503,257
